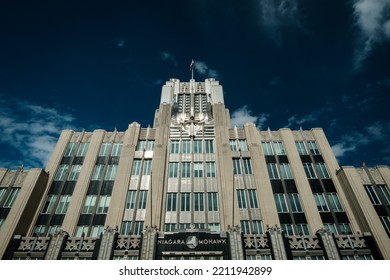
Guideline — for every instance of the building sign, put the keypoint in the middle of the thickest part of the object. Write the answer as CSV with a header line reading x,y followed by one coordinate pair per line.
x,y
205,242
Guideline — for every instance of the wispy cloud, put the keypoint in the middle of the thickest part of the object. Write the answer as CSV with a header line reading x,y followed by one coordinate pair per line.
x,y
373,19
378,133
166,56
297,120
29,132
275,14
202,68
243,115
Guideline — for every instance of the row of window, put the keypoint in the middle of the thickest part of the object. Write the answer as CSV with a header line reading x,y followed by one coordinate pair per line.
x,y
62,172
247,195
375,192
199,169
11,197
192,201
191,146
276,147
173,227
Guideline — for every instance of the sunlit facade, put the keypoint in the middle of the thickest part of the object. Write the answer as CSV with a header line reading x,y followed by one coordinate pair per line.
x,y
194,187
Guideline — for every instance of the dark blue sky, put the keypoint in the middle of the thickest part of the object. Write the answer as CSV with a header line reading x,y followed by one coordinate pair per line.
x,y
282,63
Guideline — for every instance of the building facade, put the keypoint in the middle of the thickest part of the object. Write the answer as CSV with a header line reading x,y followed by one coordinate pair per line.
x,y
193,187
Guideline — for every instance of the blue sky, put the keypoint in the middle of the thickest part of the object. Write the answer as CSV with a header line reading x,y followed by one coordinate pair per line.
x,y
282,63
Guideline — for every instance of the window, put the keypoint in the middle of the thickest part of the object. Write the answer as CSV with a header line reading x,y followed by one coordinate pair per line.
x,y
61,172
98,172
111,172
39,230
386,223
272,171
214,227
372,194
212,201
96,230
171,202
173,168
185,169
386,193
210,169
141,146
116,149
70,150
295,203
198,169
49,204
74,172
197,147
83,148
169,227
89,204
257,227
313,148
321,202
104,202
186,147
321,170
345,228
301,148
2,192
233,145
136,168
285,171
130,200
253,201
236,166
147,169
245,227
335,203
82,231
267,148
185,202
63,204
53,229
331,227
198,201
150,145
104,149
287,229
126,228
11,197
281,205
247,166
241,198
142,199
243,145
309,170
209,146
303,229
279,148
174,147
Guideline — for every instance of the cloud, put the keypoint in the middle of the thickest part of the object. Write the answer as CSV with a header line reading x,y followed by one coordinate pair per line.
x,y
378,134
30,132
243,115
372,18
120,43
166,56
275,14
313,117
202,68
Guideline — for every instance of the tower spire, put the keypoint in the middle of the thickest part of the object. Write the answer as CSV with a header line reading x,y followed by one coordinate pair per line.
x,y
192,69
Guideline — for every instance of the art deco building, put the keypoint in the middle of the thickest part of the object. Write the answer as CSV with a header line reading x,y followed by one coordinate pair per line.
x,y
193,187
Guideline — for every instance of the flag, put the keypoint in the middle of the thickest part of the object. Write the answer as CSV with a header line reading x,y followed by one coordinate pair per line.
x,y
192,64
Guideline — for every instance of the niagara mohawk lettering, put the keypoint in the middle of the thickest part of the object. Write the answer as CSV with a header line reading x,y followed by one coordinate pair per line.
x,y
201,241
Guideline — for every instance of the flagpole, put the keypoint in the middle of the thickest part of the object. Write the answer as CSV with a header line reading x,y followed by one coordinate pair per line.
x,y
192,69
